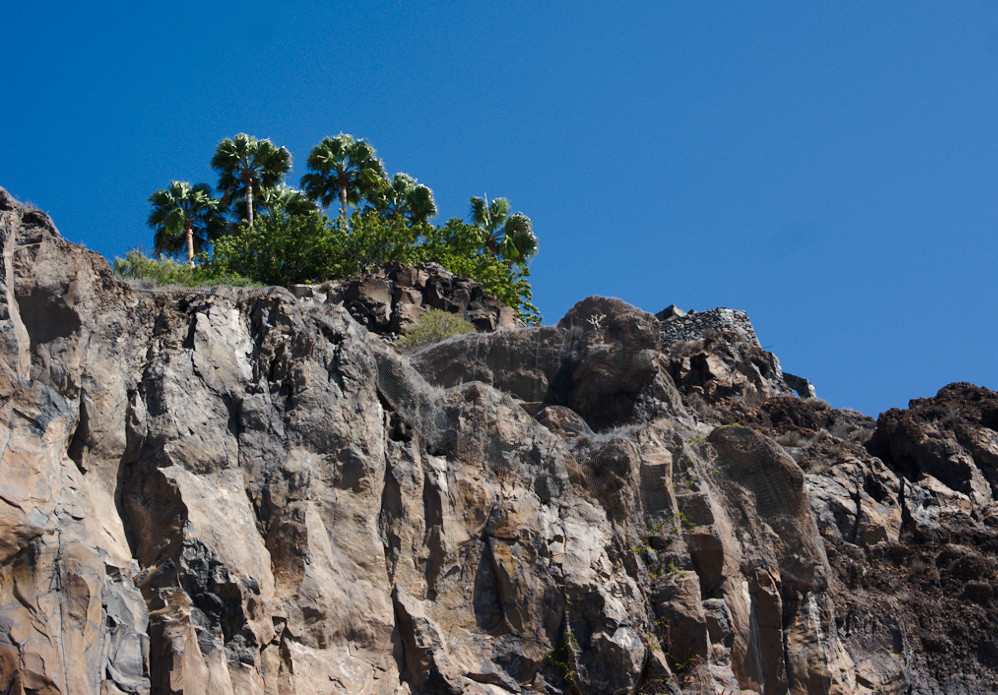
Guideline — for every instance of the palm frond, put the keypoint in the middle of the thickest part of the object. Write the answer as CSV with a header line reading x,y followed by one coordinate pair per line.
x,y
498,211
520,244
421,204
343,166
479,211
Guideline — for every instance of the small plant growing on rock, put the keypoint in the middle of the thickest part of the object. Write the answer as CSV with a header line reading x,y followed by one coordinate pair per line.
x,y
596,319
562,658
432,327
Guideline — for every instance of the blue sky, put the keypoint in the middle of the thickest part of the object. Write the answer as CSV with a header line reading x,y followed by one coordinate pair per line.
x,y
831,168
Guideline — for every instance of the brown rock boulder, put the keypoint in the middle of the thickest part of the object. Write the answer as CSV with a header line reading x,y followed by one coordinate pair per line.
x,y
950,437
602,361
391,299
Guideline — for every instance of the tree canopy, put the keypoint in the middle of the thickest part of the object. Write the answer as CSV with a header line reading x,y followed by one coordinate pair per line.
x,y
246,164
184,217
343,168
281,236
504,235
404,198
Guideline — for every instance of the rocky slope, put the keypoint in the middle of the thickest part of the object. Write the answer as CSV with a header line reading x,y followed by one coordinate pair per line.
x,y
241,491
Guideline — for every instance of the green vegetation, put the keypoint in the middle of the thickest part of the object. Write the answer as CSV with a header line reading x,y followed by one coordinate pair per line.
x,y
161,271
432,327
245,164
277,235
284,249
679,520
505,235
343,168
563,658
403,198
184,217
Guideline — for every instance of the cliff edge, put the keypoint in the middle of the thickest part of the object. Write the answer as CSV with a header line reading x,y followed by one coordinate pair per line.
x,y
243,491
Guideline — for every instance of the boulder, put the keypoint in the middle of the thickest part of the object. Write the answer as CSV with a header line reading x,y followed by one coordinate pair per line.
x,y
391,299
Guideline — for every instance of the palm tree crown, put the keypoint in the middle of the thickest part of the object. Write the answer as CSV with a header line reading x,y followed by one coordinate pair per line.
x,y
281,197
506,236
403,198
245,164
345,168
184,217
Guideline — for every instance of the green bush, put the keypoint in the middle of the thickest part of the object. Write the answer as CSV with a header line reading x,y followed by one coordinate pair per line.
x,y
457,246
432,327
279,249
161,271
282,249
157,271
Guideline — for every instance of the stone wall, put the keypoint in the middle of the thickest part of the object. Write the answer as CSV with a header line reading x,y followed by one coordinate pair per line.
x,y
677,325
692,326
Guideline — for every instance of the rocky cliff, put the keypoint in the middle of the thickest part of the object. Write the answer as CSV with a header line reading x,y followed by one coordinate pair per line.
x,y
243,491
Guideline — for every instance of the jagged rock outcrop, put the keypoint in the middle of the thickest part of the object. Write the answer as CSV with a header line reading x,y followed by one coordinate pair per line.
x,y
391,299
238,491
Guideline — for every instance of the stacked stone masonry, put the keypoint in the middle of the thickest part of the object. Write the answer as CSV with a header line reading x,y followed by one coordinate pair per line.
x,y
678,326
694,324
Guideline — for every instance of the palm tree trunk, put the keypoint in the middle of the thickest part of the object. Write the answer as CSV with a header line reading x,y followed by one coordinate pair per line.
x,y
343,205
249,200
189,234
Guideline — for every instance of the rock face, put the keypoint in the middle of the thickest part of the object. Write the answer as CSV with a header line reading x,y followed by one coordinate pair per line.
x,y
240,492
393,298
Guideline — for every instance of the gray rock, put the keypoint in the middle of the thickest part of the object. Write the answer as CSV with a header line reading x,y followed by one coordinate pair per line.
x,y
246,488
803,387
669,313
390,300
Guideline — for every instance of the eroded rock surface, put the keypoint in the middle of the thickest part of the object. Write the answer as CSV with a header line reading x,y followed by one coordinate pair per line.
x,y
237,491
391,299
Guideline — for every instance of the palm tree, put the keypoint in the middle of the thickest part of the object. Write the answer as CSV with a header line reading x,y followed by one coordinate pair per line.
x,y
184,217
345,168
403,198
245,163
510,237
281,197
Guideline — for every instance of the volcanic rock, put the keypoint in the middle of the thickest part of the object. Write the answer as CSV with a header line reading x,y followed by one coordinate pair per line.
x,y
247,491
391,299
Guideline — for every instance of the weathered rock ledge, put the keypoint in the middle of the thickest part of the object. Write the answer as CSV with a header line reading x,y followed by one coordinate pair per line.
x,y
242,492
392,299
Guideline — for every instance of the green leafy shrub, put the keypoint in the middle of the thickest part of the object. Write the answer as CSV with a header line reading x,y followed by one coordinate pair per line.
x,y
432,327
458,247
156,271
142,270
283,249
279,249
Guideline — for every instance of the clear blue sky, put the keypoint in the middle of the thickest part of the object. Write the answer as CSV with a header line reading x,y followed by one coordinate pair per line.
x,y
829,167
